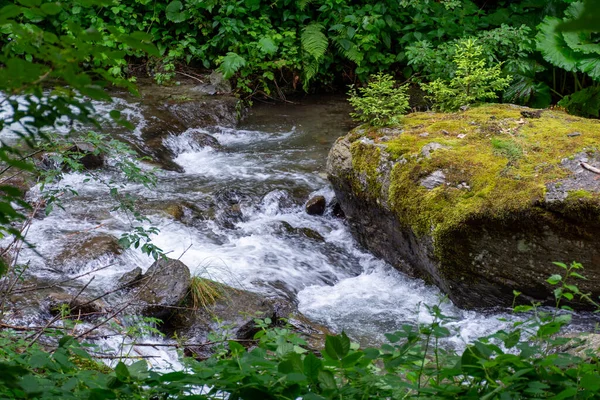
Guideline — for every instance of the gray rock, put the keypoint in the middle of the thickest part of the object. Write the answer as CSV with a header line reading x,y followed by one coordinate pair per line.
x,y
580,179
532,113
316,205
430,148
205,140
81,305
83,248
131,277
480,261
236,310
435,179
336,208
164,285
219,82
171,110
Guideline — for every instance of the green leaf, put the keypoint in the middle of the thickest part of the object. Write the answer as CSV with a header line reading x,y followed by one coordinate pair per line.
x,y
51,8
313,41
230,64
337,347
312,366
327,380
174,13
590,382
9,11
351,359
235,347
553,47
554,279
267,45
121,371
30,3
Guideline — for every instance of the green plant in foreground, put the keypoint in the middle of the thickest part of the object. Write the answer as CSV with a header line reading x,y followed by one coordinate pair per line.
x,y
525,360
381,102
473,81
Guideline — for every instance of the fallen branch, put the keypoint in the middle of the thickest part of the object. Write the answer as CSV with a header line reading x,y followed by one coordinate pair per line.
x,y
590,168
120,357
189,76
28,328
177,345
32,288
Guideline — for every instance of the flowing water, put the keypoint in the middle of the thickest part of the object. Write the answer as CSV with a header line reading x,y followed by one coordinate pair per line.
x,y
253,236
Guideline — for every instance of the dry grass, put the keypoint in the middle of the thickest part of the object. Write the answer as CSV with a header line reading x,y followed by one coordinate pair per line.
x,y
204,292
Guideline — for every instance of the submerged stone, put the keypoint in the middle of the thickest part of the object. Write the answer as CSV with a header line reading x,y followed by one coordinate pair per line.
x,y
488,214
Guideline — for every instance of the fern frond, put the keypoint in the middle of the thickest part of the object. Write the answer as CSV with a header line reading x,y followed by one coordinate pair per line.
x,y
310,69
302,4
231,63
314,42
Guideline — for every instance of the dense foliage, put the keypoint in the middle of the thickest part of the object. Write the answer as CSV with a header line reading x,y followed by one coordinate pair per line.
x,y
271,48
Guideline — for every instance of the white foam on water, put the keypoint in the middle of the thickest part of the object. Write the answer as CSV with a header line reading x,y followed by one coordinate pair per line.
x,y
381,300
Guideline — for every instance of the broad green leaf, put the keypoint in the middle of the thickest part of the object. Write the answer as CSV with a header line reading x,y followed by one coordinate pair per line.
x,y
51,8
30,3
314,42
174,12
327,380
554,279
312,366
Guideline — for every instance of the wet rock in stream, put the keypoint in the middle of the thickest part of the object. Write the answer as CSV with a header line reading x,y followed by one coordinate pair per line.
x,y
477,228
82,248
316,205
163,286
173,110
233,314
82,306
129,278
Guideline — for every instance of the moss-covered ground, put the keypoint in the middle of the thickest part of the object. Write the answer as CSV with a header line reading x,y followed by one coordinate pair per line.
x,y
496,163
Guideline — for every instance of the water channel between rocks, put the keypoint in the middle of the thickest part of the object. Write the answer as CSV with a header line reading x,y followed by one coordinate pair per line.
x,y
254,233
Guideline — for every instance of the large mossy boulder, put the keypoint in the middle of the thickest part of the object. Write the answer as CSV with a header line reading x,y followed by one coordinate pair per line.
x,y
479,203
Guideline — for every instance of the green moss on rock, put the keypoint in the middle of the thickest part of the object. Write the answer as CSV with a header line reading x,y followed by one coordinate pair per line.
x,y
495,162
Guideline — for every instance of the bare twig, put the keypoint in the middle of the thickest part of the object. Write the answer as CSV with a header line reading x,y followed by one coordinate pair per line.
x,y
57,316
190,76
80,291
34,287
111,357
177,345
28,328
86,230
590,168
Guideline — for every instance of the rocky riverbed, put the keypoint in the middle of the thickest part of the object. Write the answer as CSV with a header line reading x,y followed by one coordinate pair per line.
x,y
243,207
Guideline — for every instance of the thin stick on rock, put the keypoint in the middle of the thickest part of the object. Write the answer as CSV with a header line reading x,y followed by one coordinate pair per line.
x,y
590,168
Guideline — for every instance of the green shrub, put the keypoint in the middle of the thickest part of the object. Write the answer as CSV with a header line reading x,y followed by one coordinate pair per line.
x,y
585,103
473,81
381,102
